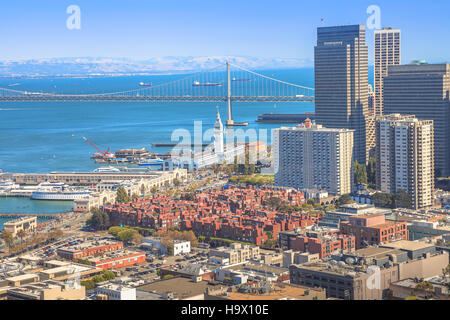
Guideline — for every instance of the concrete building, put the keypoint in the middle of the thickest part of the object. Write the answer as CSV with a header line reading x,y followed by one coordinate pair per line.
x,y
27,224
405,158
368,273
311,156
116,292
341,82
47,290
423,90
387,52
236,253
267,291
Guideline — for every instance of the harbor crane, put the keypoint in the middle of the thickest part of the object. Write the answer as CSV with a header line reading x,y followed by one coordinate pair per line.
x,y
100,154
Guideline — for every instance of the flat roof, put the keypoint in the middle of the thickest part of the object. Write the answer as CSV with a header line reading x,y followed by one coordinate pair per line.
x,y
280,292
408,245
182,288
22,277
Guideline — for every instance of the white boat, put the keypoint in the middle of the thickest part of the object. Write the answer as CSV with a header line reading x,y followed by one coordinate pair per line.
x,y
151,162
7,185
59,195
106,169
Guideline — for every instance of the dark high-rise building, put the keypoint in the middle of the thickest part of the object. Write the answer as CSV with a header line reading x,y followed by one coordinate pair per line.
x,y
341,82
423,90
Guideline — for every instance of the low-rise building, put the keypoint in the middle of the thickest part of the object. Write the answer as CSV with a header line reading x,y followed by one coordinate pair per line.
x,y
374,229
27,224
47,290
267,291
91,248
236,253
368,273
118,259
116,292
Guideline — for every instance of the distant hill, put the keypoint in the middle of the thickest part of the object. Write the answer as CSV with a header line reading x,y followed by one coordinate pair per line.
x,y
122,66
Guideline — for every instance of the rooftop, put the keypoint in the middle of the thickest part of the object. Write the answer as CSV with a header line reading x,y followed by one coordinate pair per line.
x,y
183,288
408,245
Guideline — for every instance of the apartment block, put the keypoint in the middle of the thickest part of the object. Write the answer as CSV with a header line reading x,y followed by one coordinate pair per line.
x,y
405,157
311,156
387,51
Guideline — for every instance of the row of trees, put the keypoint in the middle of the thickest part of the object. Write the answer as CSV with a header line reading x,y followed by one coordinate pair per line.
x,y
91,283
365,174
32,240
126,234
386,200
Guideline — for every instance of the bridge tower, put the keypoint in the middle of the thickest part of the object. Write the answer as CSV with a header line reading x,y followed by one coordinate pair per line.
x,y
230,121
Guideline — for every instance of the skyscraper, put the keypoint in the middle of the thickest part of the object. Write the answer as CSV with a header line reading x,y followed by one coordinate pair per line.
x,y
310,156
423,90
405,157
387,53
341,82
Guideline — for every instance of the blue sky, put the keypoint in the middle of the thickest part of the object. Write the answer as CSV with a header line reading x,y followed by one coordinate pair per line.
x,y
140,29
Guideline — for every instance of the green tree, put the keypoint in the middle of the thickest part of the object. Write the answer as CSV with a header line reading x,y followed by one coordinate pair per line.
x,y
99,219
360,173
108,275
345,199
134,196
122,195
371,173
126,235
8,238
88,284
21,234
402,200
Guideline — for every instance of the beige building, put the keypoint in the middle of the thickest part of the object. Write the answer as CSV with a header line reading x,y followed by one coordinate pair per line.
x,y
47,290
387,50
106,191
28,224
377,268
236,253
405,157
311,156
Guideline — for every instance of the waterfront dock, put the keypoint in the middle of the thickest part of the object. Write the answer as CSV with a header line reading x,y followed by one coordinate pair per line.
x,y
43,216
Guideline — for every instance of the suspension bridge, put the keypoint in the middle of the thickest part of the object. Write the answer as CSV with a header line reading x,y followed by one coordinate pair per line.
x,y
225,83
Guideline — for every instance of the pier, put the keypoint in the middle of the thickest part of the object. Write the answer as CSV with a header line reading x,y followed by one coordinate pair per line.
x,y
42,216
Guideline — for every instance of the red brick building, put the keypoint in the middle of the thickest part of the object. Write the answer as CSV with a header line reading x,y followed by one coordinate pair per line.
x,y
118,260
374,229
88,249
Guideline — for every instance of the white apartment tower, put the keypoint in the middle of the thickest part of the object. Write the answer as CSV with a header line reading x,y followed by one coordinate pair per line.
x,y
405,157
311,156
387,53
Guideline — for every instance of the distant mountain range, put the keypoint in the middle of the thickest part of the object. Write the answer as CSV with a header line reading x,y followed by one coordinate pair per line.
x,y
122,66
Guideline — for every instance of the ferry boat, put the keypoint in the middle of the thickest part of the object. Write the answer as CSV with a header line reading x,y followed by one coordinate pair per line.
x,y
151,162
6,185
246,80
106,170
206,84
59,195
58,191
143,84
